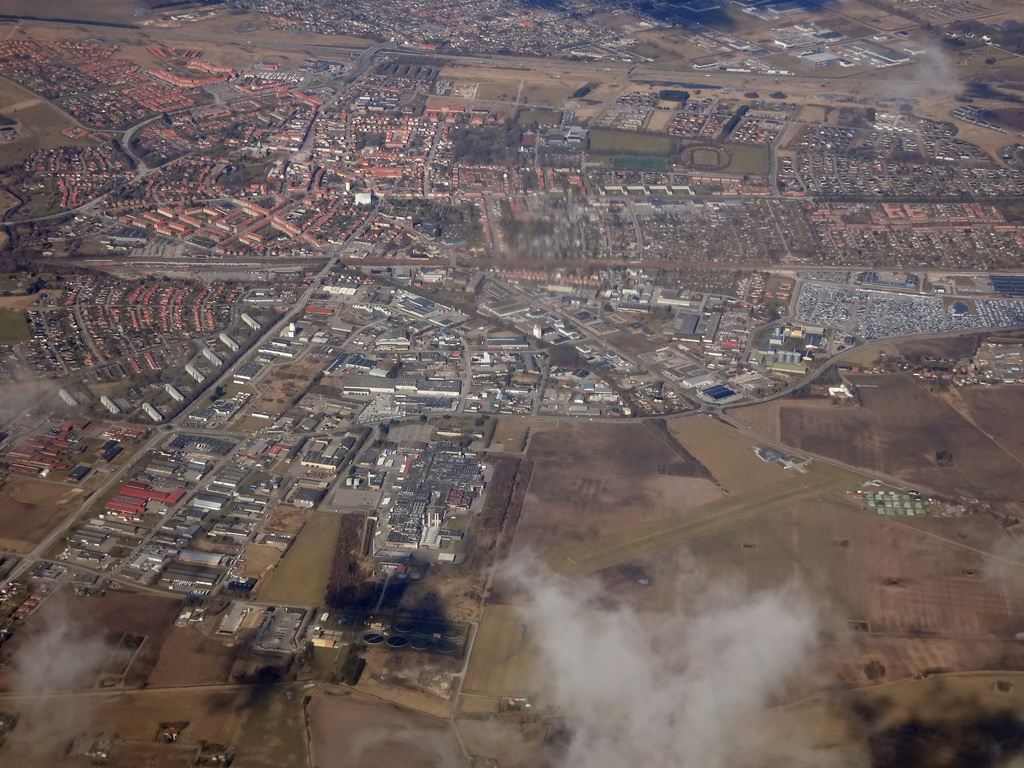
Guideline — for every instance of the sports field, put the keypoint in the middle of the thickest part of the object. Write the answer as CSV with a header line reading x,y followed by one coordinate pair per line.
x,y
541,117
13,326
638,163
627,142
747,160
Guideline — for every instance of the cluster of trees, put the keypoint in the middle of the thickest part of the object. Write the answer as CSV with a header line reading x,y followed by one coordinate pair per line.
x,y
680,97
350,584
487,144
735,120
352,667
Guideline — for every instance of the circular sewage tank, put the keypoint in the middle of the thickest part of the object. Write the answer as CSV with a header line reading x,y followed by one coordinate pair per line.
x,y
420,643
397,641
453,633
405,627
425,630
446,646
373,638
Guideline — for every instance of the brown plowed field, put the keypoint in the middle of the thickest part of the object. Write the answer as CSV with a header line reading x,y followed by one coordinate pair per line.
x,y
29,510
993,409
898,431
191,658
593,479
763,418
356,732
63,618
727,453
49,724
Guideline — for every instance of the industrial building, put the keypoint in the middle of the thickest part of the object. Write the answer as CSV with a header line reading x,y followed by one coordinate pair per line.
x,y
820,60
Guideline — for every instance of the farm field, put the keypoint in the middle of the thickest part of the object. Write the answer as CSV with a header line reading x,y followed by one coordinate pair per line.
x,y
954,577
591,480
30,508
945,710
726,452
48,724
930,593
933,594
39,125
899,431
868,356
944,346
989,407
680,528
155,755
875,17
272,731
118,11
503,657
516,745
763,418
64,618
301,577
512,435
189,657
352,731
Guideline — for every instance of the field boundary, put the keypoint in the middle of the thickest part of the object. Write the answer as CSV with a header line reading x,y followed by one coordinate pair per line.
x,y
676,529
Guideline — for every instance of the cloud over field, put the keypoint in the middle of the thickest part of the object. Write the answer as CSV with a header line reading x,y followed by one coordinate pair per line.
x,y
59,656
680,689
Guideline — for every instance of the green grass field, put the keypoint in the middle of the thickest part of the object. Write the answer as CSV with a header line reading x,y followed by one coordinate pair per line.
x,y
638,163
672,531
503,656
13,326
301,576
603,142
541,117
39,126
748,160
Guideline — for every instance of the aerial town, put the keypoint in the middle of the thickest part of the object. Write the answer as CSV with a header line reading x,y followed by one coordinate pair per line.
x,y
504,384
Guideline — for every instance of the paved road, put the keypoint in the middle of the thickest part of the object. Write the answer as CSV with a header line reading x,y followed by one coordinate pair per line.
x,y
29,561
165,432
